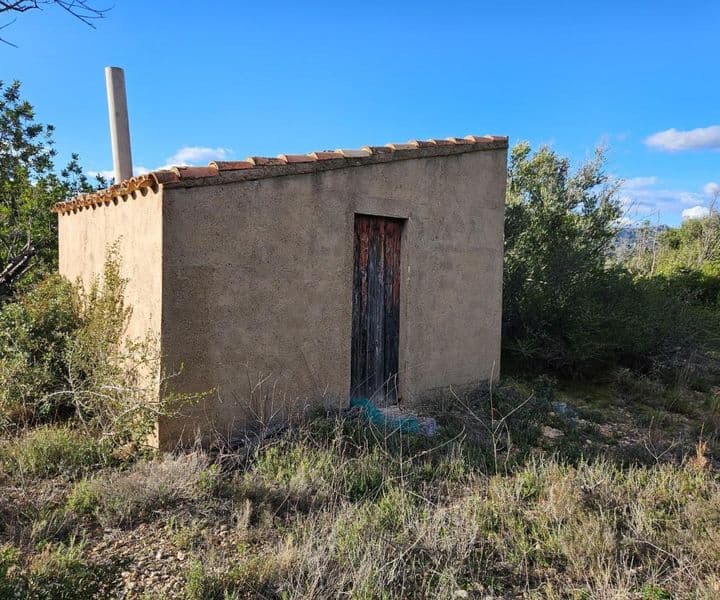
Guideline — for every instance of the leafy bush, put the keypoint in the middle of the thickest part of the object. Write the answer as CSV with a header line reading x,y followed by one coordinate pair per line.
x,y
35,333
558,227
48,451
566,306
64,355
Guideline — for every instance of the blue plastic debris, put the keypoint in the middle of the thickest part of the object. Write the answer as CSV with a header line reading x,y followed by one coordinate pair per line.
x,y
394,422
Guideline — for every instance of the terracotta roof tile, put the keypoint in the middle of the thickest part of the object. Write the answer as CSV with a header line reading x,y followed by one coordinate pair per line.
x,y
456,140
296,158
327,155
423,143
407,146
284,164
264,161
354,153
165,176
378,149
192,172
231,165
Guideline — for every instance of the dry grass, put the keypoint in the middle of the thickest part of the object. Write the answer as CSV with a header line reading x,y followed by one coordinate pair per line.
x,y
338,509
121,498
377,517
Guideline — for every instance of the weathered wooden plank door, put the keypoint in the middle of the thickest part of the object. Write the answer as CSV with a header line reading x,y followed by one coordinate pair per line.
x,y
376,308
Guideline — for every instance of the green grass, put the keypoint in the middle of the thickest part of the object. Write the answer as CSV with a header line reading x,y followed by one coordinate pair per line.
x,y
49,451
56,572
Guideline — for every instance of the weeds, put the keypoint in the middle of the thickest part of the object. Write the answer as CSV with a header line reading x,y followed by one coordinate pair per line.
x,y
49,451
127,497
57,572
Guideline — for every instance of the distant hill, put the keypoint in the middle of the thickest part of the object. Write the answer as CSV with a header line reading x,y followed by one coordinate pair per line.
x,y
627,238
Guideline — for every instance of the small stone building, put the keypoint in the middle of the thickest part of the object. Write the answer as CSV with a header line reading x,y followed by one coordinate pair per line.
x,y
280,283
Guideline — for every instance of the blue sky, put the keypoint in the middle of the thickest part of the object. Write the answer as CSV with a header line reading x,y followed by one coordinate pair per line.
x,y
231,79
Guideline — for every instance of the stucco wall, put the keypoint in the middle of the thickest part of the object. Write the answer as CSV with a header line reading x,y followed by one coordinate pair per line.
x,y
257,279
135,224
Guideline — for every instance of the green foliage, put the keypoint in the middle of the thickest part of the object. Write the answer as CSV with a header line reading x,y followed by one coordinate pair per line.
x,y
694,246
35,334
50,450
558,228
29,186
64,355
655,592
198,585
10,580
567,307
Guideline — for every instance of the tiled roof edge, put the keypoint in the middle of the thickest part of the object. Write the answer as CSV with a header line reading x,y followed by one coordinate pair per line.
x,y
259,167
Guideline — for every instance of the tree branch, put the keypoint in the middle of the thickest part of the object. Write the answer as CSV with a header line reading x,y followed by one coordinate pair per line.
x,y
80,9
15,268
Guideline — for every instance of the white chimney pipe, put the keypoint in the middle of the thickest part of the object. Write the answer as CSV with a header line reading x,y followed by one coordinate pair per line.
x,y
119,126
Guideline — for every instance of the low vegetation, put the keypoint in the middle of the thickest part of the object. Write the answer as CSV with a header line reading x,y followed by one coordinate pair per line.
x,y
339,508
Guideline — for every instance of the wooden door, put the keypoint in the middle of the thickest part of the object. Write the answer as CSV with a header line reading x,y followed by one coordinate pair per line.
x,y
376,308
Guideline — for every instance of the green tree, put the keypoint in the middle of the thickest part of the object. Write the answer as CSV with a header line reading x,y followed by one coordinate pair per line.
x,y
29,186
559,230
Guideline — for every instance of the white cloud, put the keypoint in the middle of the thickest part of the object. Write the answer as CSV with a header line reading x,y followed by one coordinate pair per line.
x,y
638,182
711,188
644,198
696,212
694,139
193,155
688,197
185,156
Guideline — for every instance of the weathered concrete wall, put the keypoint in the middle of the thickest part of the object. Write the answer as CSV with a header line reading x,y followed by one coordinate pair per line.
x,y
135,225
257,280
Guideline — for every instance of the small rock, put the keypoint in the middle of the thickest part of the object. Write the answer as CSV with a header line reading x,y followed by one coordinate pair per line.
x,y
563,408
551,432
429,428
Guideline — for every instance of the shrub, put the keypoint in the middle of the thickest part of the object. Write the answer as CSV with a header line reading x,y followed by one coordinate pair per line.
x,y
127,497
114,381
49,451
558,227
565,305
64,355
35,333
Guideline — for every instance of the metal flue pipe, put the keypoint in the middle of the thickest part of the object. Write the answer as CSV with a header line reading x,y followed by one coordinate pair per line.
x,y
119,125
